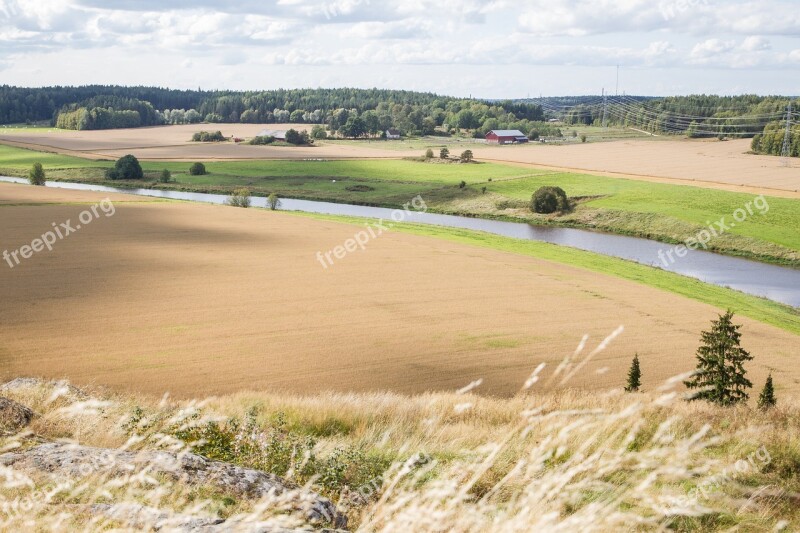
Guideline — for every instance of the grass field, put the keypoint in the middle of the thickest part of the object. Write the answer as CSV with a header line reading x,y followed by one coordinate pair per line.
x,y
665,212
572,461
410,313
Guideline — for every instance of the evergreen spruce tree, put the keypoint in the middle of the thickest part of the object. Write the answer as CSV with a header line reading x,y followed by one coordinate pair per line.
x,y
634,376
720,375
767,397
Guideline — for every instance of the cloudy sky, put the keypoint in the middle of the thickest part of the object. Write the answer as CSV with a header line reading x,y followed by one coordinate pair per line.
x,y
488,48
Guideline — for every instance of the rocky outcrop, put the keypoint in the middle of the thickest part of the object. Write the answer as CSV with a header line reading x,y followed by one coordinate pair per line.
x,y
32,383
80,461
145,518
13,415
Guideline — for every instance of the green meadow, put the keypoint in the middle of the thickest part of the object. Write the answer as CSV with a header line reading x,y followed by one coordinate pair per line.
x,y
665,212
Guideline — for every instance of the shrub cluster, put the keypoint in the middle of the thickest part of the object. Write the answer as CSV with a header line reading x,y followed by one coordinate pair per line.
x,y
548,200
208,137
262,139
126,168
197,169
240,198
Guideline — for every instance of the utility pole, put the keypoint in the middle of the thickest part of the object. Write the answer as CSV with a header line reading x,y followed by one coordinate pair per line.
x,y
605,106
616,89
787,138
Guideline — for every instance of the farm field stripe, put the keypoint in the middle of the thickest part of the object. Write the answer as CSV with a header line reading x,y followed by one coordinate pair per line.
x,y
761,309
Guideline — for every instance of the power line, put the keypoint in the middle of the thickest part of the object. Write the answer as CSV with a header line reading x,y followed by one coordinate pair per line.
x,y
786,150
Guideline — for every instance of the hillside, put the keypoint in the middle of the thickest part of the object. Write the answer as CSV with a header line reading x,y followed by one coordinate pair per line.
x,y
567,461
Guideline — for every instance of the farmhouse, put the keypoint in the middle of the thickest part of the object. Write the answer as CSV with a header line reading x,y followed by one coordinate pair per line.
x,y
280,135
392,133
506,137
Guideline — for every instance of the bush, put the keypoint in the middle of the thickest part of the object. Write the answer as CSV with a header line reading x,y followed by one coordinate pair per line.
x,y
165,176
318,132
261,140
240,198
444,153
198,169
466,156
462,184
548,200
126,168
207,136
583,138
36,175
428,154
273,202
297,137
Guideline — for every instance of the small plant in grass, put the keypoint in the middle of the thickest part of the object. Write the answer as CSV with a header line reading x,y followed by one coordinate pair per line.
x,y
548,200
165,176
634,376
273,202
197,169
240,198
462,184
583,138
36,175
766,399
428,154
720,377
483,189
444,153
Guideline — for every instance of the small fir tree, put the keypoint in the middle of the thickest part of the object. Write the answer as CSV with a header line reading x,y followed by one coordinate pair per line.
x,y
720,376
634,376
767,398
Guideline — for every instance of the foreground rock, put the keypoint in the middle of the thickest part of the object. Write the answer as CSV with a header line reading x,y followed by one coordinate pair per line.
x,y
13,415
141,517
81,461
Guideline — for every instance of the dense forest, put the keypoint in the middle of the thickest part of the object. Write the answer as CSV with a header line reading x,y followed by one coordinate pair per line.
x,y
771,141
368,112
355,112
694,116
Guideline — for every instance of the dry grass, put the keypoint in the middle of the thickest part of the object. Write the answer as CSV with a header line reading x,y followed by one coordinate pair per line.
x,y
568,461
196,299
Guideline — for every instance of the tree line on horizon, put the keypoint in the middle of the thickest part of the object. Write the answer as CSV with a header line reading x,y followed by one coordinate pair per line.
x,y
105,107
698,115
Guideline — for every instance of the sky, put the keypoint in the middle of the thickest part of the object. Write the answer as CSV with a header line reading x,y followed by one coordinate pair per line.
x,y
484,49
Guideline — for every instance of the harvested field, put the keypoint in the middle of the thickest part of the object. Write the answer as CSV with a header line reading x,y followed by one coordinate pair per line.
x,y
707,163
698,161
198,299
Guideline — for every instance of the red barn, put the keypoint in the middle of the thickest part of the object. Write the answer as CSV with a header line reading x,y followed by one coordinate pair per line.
x,y
506,137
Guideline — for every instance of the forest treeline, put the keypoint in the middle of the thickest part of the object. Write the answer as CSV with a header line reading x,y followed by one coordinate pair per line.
x,y
367,110
695,115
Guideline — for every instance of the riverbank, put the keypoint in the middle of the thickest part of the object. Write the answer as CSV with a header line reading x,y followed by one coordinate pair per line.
x,y
663,212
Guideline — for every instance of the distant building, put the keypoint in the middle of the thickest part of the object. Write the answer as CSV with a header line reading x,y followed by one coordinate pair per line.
x,y
280,135
506,137
392,133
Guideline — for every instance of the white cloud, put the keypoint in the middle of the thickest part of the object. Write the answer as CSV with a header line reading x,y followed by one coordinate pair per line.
x,y
373,38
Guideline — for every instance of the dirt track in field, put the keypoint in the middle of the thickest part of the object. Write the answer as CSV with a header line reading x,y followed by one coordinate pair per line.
x,y
198,299
722,165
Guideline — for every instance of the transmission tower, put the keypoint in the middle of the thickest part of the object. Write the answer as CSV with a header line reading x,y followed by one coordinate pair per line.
x,y
605,106
787,138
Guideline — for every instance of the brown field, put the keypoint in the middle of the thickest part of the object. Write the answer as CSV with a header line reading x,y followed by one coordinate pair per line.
x,y
710,163
199,299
